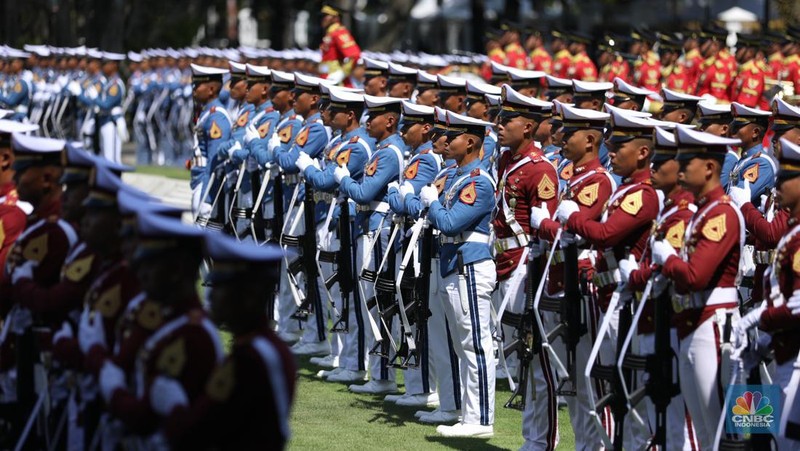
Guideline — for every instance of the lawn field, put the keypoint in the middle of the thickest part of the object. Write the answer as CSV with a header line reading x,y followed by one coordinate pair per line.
x,y
326,416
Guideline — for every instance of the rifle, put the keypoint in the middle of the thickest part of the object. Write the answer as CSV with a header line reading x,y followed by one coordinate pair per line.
x,y
407,355
422,290
234,211
277,205
306,262
384,287
528,340
343,258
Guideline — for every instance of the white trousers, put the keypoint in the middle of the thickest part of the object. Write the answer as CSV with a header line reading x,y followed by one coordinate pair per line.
x,y
110,142
441,352
471,331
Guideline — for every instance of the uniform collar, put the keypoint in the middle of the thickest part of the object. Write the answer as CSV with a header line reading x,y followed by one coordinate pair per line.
x,y
312,118
711,196
389,140
530,149
289,113
754,150
637,177
214,103
468,168
427,145
51,209
6,188
592,164
678,196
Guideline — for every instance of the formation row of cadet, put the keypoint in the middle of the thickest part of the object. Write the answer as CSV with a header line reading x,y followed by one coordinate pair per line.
x,y
481,227
105,341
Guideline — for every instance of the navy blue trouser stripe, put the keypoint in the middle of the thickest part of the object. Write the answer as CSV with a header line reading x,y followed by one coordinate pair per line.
x,y
483,390
455,373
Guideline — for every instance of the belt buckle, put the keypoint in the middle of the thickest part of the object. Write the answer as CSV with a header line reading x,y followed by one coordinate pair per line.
x,y
679,302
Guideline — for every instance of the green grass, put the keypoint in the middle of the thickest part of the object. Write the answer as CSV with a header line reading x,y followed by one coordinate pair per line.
x,y
172,172
327,416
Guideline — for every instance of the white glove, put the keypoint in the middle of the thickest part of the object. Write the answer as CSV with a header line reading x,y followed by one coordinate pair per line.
x,y
793,303
740,196
661,199
204,211
428,194
274,142
405,189
393,185
626,267
74,88
251,133
90,331
661,251
236,146
65,333
751,319
91,93
303,161
340,173
336,77
739,337
565,209
111,378
539,248
539,214
166,394
24,271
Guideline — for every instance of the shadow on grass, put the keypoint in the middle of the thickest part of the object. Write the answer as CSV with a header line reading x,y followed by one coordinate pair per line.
x,y
463,443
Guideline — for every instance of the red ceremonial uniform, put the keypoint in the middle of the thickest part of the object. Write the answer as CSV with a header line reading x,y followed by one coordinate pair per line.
x,y
515,56
677,78
623,230
246,402
541,60
748,88
46,240
561,63
693,62
12,220
582,68
498,56
337,45
775,65
712,256
715,79
647,72
619,68
185,348
778,320
589,186
730,62
527,179
792,71
671,224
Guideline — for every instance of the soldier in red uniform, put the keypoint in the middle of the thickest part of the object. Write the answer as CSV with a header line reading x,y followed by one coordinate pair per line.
x,y
37,255
527,179
791,62
540,59
612,64
705,277
748,87
674,73
671,223
562,58
582,68
247,399
589,185
184,345
515,54
496,56
647,69
775,54
692,59
12,211
339,50
715,75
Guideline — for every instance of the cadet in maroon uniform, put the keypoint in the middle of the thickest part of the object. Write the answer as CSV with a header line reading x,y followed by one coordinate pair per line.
x,y
12,211
527,179
705,275
246,402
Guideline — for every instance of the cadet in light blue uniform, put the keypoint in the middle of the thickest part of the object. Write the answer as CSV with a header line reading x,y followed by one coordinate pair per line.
x,y
353,148
213,128
18,96
462,214
370,193
311,139
756,166
108,108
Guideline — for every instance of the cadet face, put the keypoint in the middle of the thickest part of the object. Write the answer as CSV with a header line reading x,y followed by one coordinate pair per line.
x,y
454,103
456,148
30,184
628,105
530,91
375,86
283,100
789,195
679,116
429,97
511,132
340,119
96,223
239,90
664,176
591,104
544,131
715,129
256,93
378,124
303,103
478,110
695,173
402,90
440,145
791,135
625,157
748,134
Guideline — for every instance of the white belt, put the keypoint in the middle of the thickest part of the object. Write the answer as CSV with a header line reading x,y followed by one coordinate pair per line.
x,y
707,298
606,278
558,257
376,206
199,162
22,109
116,111
763,257
513,242
467,237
